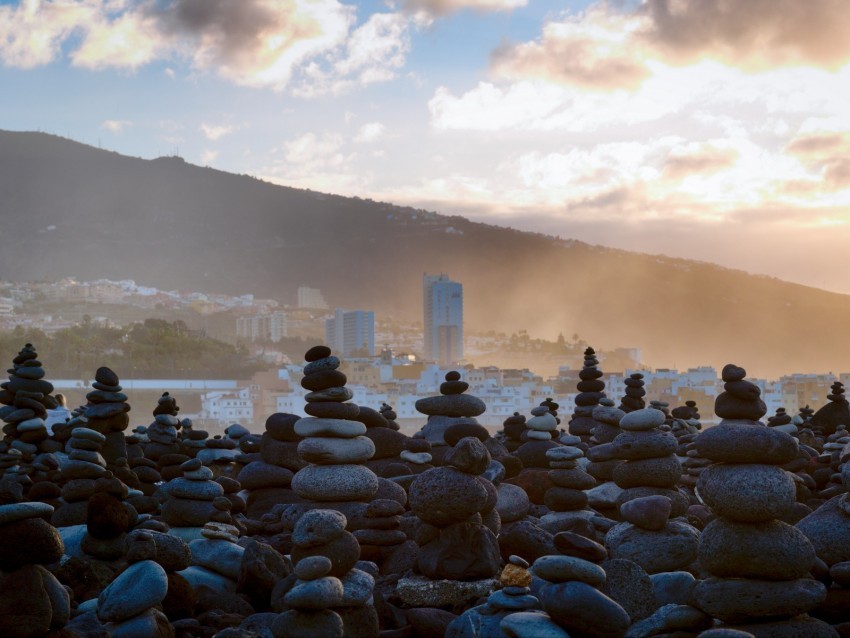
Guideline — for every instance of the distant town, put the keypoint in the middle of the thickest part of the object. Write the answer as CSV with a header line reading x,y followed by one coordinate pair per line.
x,y
385,361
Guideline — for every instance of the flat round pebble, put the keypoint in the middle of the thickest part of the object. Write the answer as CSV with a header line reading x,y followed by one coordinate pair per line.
x,y
313,567
559,569
640,420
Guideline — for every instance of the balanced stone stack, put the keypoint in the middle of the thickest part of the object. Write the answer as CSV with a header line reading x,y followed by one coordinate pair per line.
x,y
268,478
334,443
450,408
569,481
651,466
759,566
572,598
633,400
514,597
607,419
834,413
686,428
648,478
454,543
106,413
192,500
381,534
32,601
129,605
591,390
329,595
540,430
216,565
162,433
513,428
26,396
389,443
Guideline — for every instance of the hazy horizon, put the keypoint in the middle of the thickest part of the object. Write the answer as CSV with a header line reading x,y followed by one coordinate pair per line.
x,y
697,129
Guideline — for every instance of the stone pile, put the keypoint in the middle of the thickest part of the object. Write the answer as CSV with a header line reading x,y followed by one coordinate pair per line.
x,y
107,413
633,400
591,390
452,502
268,478
329,595
758,565
452,407
333,441
835,413
192,500
513,428
26,397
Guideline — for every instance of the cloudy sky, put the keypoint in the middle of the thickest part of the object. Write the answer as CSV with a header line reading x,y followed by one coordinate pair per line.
x,y
717,130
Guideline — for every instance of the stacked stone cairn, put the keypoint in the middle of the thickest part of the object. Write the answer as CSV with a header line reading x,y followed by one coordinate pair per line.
x,y
107,413
572,598
26,397
450,408
78,476
268,477
32,601
511,610
333,442
686,427
648,478
130,604
216,565
458,554
835,413
389,443
570,482
591,390
633,400
192,500
758,566
162,433
328,595
513,428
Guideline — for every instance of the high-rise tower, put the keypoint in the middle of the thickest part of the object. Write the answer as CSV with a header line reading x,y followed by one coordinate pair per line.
x,y
442,303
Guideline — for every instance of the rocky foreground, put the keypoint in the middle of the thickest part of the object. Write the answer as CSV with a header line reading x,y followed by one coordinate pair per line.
x,y
631,521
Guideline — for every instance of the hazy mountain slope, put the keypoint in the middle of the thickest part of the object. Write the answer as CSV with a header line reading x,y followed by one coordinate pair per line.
x,y
173,225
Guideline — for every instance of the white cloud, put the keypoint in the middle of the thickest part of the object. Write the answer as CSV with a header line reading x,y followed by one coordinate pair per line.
x,y
208,156
371,132
260,43
375,52
215,132
116,126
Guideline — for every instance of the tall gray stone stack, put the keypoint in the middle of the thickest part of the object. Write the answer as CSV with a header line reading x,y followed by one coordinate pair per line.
x,y
758,566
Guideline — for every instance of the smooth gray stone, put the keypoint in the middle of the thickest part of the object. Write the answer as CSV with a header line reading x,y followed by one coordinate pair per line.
x,y
317,527
529,624
748,493
220,556
333,450
734,600
138,588
557,569
321,593
196,490
314,426
669,549
673,588
335,483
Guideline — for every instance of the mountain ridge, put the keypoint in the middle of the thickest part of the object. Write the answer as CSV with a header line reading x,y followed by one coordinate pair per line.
x,y
71,209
